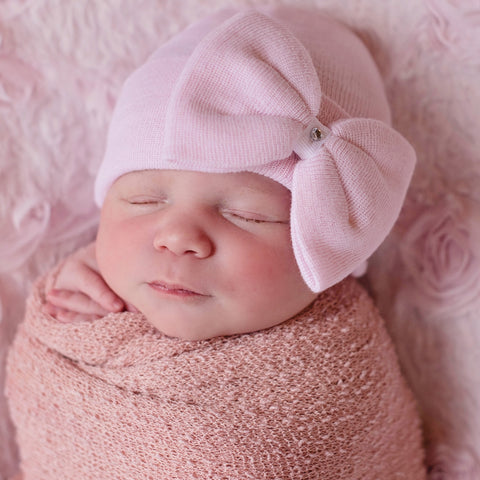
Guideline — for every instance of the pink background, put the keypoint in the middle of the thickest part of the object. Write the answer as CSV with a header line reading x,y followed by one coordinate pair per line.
x,y
61,66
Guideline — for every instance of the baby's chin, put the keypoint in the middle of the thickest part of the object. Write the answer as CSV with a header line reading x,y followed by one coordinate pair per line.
x,y
189,335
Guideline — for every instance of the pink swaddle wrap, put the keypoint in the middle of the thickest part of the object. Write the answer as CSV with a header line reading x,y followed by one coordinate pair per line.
x,y
317,397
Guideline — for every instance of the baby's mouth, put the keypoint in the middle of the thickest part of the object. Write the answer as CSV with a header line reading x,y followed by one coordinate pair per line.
x,y
175,289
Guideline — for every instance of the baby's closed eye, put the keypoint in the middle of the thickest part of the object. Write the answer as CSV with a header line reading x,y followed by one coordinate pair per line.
x,y
252,217
144,200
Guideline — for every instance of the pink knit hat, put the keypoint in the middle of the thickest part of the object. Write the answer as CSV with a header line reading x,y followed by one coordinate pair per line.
x,y
290,94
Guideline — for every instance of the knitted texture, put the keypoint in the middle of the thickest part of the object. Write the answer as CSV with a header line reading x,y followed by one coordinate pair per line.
x,y
287,93
317,397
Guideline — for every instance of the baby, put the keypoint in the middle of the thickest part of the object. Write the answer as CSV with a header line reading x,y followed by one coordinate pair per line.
x,y
250,169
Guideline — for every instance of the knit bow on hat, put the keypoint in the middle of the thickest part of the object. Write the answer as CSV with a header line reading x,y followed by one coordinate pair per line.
x,y
249,98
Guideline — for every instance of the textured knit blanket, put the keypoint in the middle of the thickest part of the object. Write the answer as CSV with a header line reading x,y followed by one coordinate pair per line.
x,y
317,397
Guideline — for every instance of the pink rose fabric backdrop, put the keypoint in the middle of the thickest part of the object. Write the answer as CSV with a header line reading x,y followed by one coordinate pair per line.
x,y
61,67
426,276
440,257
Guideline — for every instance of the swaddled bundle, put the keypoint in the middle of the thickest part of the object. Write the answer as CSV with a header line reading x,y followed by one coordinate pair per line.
x,y
319,396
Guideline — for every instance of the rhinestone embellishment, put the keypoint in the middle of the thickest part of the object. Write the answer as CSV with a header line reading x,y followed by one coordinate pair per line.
x,y
316,134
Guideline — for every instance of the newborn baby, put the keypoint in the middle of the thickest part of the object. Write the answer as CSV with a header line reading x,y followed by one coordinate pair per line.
x,y
250,170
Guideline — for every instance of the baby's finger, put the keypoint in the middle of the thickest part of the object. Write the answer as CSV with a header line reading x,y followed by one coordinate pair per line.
x,y
72,317
66,316
76,302
93,286
50,309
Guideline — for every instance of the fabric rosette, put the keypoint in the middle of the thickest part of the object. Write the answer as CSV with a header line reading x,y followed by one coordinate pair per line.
x,y
441,256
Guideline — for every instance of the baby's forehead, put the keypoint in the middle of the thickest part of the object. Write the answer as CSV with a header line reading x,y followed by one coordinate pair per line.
x,y
244,184
247,180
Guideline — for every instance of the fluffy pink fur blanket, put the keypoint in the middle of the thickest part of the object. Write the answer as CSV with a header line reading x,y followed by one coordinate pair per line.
x,y
317,397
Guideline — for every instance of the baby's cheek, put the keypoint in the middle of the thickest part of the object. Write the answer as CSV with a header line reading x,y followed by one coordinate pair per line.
x,y
261,269
109,254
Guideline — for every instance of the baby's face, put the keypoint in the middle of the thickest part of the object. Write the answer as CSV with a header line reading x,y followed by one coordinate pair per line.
x,y
201,254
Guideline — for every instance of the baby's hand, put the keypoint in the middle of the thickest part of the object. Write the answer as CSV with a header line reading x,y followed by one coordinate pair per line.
x,y
79,292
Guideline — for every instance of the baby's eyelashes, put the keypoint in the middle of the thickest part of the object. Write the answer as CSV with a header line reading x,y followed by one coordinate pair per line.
x,y
235,215
251,217
246,218
142,200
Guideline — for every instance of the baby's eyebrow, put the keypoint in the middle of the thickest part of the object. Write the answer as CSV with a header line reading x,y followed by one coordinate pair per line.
x,y
255,191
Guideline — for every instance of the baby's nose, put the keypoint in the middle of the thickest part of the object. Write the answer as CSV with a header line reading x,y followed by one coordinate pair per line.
x,y
183,236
